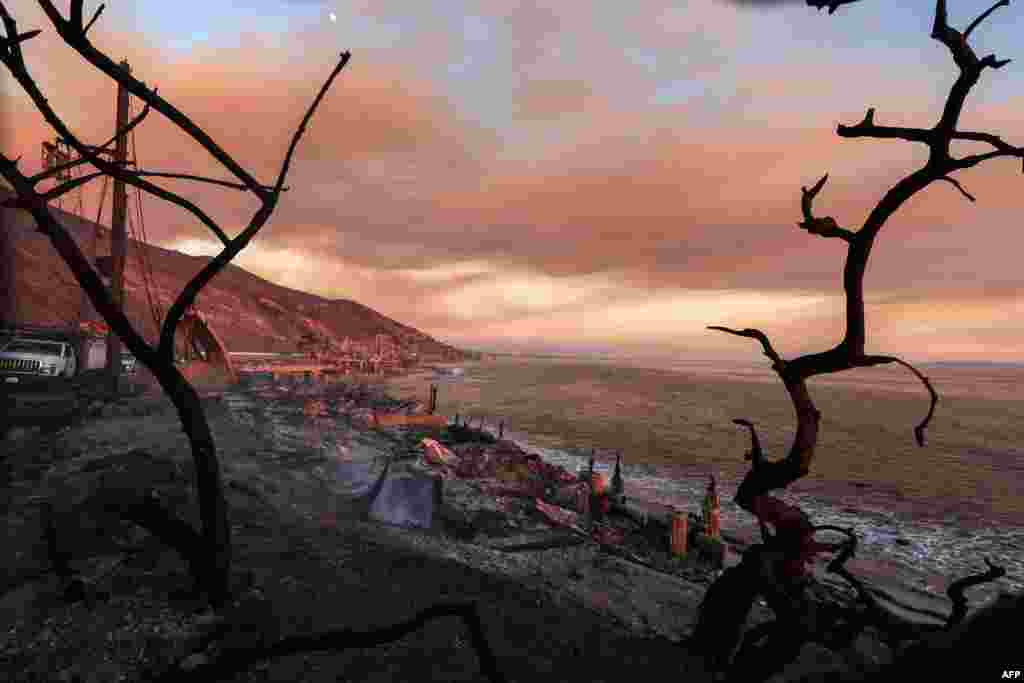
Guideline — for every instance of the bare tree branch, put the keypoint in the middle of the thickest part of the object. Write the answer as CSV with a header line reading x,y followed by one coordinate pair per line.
x,y
100,149
199,179
76,39
23,77
867,129
958,186
64,188
981,18
825,226
12,46
8,43
919,429
975,159
777,361
755,455
214,266
95,16
76,14
345,56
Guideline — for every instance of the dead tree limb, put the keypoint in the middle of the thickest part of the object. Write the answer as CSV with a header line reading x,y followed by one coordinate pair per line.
x,y
212,577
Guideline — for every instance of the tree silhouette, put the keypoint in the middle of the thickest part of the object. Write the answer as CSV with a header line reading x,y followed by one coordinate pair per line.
x,y
792,541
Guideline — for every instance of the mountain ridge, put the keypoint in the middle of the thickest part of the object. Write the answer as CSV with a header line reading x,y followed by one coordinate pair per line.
x,y
250,313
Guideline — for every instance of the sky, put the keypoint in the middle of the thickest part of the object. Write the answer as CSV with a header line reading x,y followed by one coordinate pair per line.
x,y
567,175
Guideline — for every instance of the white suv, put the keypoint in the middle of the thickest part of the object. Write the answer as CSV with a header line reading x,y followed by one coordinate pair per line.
x,y
26,356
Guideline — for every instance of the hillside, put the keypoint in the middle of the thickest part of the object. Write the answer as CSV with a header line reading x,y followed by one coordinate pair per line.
x,y
248,312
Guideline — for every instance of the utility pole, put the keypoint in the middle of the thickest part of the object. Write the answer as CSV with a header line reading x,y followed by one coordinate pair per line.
x,y
118,238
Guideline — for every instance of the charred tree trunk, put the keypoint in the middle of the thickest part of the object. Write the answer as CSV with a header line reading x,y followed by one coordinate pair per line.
x,y
214,571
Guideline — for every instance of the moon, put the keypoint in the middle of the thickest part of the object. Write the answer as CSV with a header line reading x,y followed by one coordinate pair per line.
x,y
333,17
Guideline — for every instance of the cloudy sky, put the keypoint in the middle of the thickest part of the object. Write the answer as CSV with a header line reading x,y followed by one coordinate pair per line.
x,y
568,174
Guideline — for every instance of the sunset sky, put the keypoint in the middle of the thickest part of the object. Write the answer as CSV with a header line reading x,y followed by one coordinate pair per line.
x,y
566,174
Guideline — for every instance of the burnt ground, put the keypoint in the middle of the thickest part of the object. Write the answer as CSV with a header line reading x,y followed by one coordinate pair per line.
x,y
305,564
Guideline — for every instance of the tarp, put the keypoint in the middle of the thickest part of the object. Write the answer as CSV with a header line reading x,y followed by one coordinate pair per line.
x,y
409,499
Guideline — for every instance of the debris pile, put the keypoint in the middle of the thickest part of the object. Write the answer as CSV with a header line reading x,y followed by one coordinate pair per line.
x,y
497,489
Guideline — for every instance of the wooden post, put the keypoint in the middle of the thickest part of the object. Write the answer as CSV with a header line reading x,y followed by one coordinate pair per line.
x,y
118,238
677,539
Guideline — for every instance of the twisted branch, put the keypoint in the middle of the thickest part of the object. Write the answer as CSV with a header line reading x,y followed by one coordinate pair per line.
x,y
95,16
825,226
234,246
867,129
919,429
88,154
100,149
73,35
777,363
982,17
957,588
958,186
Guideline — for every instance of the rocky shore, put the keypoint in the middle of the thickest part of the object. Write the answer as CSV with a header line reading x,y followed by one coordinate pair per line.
x,y
307,561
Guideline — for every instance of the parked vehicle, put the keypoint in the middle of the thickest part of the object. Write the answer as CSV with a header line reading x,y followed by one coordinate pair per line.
x,y
30,357
128,363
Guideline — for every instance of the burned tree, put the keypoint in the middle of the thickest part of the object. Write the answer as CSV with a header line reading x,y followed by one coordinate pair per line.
x,y
775,566
208,551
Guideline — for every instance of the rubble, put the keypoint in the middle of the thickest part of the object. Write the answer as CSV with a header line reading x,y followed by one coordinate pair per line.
x,y
496,489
